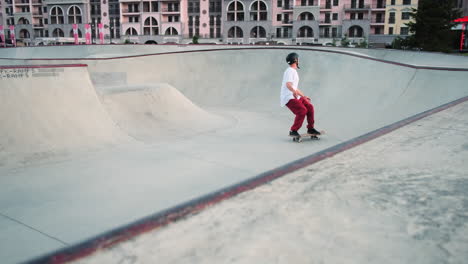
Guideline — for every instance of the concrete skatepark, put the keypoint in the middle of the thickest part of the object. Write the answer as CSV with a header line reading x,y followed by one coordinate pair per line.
x,y
94,138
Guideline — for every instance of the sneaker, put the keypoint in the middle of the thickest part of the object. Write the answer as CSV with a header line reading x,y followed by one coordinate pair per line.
x,y
293,133
313,131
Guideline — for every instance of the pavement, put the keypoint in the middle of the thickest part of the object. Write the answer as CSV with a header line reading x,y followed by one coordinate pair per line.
x,y
103,142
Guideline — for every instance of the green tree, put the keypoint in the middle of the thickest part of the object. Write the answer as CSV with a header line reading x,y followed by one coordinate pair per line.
x,y
432,25
195,39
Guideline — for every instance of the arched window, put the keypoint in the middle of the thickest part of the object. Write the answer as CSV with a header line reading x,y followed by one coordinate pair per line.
x,y
258,32
235,11
23,21
131,32
306,16
74,15
56,15
151,26
355,32
24,34
79,34
171,32
235,32
58,33
258,11
305,32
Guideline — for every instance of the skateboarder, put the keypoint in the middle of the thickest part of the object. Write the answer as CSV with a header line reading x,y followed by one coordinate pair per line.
x,y
294,99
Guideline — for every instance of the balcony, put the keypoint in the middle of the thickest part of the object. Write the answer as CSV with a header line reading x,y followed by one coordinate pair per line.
x,y
378,21
37,2
325,22
287,22
196,10
37,14
22,3
326,7
170,10
356,7
129,12
379,6
38,25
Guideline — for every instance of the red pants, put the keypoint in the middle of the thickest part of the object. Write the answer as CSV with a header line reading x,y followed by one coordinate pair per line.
x,y
301,107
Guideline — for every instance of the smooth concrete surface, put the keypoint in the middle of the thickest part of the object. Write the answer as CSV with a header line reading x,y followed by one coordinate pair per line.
x,y
402,198
88,149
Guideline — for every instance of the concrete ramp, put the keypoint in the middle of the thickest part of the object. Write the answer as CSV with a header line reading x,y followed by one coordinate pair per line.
x,y
48,112
152,112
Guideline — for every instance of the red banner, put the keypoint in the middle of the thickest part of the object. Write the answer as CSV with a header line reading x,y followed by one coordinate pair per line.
x,y
88,34
101,32
462,41
2,36
75,33
12,35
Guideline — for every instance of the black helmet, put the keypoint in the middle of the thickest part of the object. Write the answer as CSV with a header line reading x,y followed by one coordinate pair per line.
x,y
292,58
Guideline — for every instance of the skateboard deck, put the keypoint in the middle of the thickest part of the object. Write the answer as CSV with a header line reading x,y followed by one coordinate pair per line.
x,y
306,135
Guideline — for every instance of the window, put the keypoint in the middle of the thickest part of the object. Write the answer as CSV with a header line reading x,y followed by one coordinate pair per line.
x,y
390,30
360,16
235,32
404,31
305,32
405,15
131,32
307,16
258,32
258,11
334,32
278,17
56,15
235,11
335,16
336,2
392,2
150,26
133,19
406,2
74,15
278,32
391,19
280,3
58,33
154,6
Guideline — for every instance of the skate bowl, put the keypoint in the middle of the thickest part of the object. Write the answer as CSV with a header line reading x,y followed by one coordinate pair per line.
x,y
140,136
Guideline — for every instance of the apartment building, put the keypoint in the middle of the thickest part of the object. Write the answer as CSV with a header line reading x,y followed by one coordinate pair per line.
x,y
398,16
288,22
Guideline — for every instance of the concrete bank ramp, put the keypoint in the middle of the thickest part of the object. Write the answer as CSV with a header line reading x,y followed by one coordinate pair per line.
x,y
49,112
152,112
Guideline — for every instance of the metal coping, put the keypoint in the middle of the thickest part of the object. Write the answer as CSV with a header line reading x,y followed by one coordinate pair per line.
x,y
43,66
165,217
348,53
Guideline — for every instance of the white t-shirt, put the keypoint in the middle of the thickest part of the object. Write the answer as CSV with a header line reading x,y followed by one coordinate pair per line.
x,y
290,75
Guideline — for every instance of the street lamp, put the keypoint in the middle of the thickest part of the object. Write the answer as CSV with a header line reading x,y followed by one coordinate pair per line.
x,y
93,32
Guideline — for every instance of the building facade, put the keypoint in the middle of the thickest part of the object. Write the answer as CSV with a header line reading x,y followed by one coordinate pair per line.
x,y
290,22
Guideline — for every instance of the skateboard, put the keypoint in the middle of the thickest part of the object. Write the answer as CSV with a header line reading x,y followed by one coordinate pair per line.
x,y
299,138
